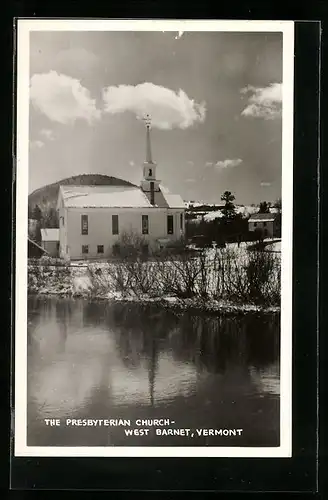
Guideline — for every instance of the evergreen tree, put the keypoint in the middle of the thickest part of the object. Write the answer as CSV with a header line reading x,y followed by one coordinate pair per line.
x,y
277,205
229,207
37,213
50,218
264,208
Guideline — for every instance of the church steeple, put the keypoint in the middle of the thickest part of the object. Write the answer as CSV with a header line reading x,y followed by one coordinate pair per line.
x,y
149,183
149,170
148,145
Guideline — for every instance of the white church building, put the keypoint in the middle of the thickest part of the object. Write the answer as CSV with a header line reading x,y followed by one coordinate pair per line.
x,y
92,219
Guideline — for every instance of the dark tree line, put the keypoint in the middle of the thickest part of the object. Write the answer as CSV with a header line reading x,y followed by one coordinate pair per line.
x,y
44,218
264,207
229,210
47,217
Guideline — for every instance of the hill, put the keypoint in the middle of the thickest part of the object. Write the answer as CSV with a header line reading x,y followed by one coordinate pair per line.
x,y
46,197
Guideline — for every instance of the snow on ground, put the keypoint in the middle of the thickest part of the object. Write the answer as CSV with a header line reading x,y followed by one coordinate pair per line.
x,y
190,204
274,247
104,280
245,211
216,214
81,284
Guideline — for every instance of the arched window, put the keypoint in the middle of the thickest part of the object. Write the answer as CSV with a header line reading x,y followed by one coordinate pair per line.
x,y
150,172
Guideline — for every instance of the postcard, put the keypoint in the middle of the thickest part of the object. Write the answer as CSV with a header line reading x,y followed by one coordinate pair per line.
x,y
153,280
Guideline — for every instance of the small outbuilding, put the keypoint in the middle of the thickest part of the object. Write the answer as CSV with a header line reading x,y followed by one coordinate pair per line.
x,y
35,251
265,224
50,241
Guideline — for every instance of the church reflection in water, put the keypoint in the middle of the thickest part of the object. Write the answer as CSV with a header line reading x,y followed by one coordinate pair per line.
x,y
92,360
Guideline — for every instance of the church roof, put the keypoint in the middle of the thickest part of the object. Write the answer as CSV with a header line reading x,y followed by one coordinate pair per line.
x,y
112,197
104,197
173,200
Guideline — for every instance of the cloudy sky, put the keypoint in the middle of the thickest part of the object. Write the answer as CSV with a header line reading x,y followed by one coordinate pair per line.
x,y
214,98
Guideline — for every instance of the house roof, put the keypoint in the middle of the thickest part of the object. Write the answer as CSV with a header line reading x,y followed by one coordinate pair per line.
x,y
262,217
48,234
32,245
112,197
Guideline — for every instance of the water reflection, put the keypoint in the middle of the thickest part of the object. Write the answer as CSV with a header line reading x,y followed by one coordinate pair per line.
x,y
95,360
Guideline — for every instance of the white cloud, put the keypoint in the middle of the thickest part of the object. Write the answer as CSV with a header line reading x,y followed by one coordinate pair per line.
x,y
45,132
131,163
265,184
167,108
228,163
263,102
61,98
209,164
190,162
190,180
36,144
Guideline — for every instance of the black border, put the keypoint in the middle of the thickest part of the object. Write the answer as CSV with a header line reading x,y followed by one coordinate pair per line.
x,y
298,474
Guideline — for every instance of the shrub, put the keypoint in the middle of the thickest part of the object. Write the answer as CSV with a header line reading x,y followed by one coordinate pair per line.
x,y
263,277
231,274
99,279
130,246
47,272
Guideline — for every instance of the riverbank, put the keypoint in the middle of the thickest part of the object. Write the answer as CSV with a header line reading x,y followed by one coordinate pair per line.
x,y
225,280
173,303
62,289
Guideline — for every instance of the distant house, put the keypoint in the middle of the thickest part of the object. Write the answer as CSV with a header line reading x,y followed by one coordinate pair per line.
x,y
268,225
50,241
93,219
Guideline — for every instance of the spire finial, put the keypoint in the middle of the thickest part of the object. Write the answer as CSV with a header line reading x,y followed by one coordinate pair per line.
x,y
147,120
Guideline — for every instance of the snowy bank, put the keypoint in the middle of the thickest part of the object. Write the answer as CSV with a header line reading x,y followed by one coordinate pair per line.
x,y
230,279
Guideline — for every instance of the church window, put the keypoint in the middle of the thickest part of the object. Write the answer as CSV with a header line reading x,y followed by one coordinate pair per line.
x,y
114,224
84,224
85,249
145,224
150,172
170,224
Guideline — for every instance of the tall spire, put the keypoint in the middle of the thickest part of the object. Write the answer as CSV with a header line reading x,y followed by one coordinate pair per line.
x,y
149,184
147,120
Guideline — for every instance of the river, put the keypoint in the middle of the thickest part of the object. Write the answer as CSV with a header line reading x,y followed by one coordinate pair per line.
x,y
100,361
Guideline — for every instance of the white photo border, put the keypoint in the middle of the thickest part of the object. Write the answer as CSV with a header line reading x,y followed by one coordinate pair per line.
x,y
24,27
